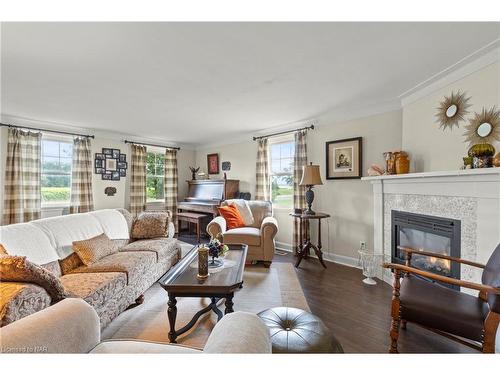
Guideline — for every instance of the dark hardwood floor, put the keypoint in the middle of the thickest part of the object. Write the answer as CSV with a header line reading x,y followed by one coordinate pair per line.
x,y
358,314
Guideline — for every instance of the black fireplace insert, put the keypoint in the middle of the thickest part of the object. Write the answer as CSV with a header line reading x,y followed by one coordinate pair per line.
x,y
428,233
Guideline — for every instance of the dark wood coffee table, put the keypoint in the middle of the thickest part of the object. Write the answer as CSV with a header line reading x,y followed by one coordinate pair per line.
x,y
181,281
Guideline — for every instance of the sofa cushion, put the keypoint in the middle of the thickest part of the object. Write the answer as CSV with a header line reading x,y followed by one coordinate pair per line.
x,y
141,347
26,239
162,247
63,230
150,225
20,300
245,235
95,288
133,264
69,263
113,223
95,248
19,269
244,209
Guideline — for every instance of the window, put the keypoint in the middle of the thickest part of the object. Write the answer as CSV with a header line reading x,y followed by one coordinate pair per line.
x,y
57,157
281,173
155,176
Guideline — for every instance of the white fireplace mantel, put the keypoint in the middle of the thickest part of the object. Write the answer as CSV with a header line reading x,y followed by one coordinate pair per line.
x,y
471,196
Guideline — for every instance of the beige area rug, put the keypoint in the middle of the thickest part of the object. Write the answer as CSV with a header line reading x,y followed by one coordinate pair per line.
x,y
262,288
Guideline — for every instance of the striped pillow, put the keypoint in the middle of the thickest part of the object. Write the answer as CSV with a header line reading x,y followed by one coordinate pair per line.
x,y
95,248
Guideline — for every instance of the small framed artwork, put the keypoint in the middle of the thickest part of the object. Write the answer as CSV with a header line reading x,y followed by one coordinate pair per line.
x,y
213,163
99,163
115,176
111,165
108,152
123,172
123,158
121,165
106,176
344,158
99,156
100,170
116,154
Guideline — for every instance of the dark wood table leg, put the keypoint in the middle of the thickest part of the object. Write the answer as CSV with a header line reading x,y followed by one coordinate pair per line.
x,y
198,225
318,251
172,315
229,304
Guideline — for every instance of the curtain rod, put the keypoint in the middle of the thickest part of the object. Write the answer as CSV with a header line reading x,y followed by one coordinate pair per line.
x,y
150,144
46,130
283,132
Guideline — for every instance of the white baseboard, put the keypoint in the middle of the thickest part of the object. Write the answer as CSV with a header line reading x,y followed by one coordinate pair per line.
x,y
340,259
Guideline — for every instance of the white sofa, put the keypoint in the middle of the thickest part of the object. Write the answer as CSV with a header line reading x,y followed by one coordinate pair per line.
x,y
72,326
110,285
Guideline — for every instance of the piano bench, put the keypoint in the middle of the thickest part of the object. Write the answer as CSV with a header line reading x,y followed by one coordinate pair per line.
x,y
191,217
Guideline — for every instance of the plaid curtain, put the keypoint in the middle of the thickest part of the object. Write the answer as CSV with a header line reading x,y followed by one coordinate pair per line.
x,y
138,179
299,201
262,183
171,183
22,195
81,177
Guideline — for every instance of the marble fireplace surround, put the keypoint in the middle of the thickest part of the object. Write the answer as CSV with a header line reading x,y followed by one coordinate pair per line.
x,y
471,196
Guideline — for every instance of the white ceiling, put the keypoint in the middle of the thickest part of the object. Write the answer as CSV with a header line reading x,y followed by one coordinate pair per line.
x,y
203,82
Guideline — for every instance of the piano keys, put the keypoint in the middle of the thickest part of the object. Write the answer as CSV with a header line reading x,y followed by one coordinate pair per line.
x,y
205,196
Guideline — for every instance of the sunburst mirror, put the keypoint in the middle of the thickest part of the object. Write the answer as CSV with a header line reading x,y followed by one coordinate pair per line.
x,y
484,127
452,110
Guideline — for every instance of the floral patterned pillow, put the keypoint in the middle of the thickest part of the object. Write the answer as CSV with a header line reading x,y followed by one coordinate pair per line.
x,y
150,225
19,269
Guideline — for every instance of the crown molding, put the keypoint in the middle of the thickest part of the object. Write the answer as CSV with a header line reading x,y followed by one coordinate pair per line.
x,y
483,57
52,125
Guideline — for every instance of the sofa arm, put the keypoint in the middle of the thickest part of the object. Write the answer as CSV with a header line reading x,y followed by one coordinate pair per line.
x,y
269,227
69,326
239,332
216,227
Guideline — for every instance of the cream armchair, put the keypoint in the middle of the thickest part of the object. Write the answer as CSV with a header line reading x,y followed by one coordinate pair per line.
x,y
259,237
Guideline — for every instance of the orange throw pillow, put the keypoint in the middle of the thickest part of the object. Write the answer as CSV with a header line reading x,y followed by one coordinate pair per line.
x,y
232,216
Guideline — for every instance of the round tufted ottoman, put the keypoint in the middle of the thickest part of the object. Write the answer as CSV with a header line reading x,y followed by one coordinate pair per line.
x,y
298,331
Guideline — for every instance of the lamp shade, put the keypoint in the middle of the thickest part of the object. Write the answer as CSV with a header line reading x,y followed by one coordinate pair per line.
x,y
311,175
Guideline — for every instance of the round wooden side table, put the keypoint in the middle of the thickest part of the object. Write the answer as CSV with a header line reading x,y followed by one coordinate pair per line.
x,y
304,248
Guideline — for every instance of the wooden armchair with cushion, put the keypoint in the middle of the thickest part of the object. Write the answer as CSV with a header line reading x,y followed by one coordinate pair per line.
x,y
470,320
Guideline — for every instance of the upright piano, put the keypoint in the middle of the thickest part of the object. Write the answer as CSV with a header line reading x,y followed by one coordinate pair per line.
x,y
205,196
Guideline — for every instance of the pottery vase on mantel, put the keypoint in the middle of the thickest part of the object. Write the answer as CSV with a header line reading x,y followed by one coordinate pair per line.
x,y
402,162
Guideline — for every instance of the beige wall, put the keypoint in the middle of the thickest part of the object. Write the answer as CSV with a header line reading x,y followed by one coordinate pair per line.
x,y
186,157
349,201
431,148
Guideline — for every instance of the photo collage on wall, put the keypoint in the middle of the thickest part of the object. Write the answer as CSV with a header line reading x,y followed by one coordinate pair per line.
x,y
111,164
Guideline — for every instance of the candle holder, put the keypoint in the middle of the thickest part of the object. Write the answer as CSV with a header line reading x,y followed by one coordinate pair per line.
x,y
202,263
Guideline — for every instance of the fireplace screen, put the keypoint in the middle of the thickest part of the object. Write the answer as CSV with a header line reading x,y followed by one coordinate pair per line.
x,y
427,233
417,239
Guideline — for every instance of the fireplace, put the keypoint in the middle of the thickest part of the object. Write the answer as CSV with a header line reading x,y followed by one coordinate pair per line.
x,y
430,233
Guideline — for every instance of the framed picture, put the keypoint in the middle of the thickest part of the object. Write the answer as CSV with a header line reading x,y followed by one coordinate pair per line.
x,y
213,163
115,176
123,172
100,170
111,165
121,165
344,158
107,151
123,158
116,154
99,156
106,176
99,163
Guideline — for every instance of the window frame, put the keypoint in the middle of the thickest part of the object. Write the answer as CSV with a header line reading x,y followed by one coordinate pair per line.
x,y
59,139
288,138
155,151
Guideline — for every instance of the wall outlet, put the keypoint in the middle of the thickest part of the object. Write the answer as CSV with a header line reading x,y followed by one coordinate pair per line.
x,y
362,245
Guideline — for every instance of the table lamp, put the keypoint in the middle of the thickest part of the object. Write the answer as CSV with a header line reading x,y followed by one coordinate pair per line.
x,y
310,177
